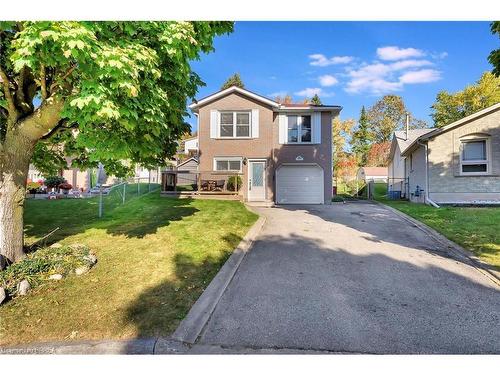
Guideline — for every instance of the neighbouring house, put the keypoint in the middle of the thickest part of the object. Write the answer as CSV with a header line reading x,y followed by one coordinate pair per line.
x,y
375,174
397,180
282,152
86,179
34,174
191,146
456,164
144,175
187,172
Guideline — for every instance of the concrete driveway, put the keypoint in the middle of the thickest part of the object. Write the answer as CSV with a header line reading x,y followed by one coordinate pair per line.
x,y
354,278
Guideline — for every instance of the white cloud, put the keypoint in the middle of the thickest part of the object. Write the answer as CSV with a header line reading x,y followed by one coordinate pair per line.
x,y
379,78
319,59
327,80
406,64
420,76
396,53
277,93
311,91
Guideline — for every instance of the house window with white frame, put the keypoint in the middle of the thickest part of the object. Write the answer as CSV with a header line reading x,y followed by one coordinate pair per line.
x,y
299,129
234,124
228,164
474,156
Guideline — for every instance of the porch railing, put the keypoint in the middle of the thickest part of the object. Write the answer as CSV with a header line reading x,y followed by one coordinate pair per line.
x,y
201,182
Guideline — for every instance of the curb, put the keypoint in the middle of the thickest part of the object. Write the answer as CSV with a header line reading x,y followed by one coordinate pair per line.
x,y
185,334
458,250
191,326
133,346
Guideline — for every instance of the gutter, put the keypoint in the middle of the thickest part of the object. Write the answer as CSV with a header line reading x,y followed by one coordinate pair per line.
x,y
427,199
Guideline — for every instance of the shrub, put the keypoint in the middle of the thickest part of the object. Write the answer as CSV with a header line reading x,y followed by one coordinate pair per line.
x,y
54,181
39,265
232,181
33,187
66,186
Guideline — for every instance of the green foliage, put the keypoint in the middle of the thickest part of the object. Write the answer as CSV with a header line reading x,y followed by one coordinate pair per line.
x,y
494,57
361,138
125,86
33,186
316,100
450,107
234,80
36,267
232,182
388,115
54,181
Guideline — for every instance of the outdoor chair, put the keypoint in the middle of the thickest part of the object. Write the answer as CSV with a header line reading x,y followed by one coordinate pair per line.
x,y
219,185
204,185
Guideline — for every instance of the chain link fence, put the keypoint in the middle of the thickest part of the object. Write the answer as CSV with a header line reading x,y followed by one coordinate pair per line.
x,y
123,192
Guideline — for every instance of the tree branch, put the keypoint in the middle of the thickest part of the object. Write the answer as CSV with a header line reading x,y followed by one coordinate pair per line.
x,y
43,82
66,75
42,119
60,126
8,96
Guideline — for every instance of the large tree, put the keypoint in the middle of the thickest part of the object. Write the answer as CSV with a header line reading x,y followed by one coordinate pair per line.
x,y
110,92
494,57
343,163
450,107
378,155
234,80
361,138
388,115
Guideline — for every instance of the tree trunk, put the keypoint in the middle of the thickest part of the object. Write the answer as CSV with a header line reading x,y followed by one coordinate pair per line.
x,y
14,165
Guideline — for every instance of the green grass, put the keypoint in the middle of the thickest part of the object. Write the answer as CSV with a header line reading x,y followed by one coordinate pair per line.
x,y
155,257
474,228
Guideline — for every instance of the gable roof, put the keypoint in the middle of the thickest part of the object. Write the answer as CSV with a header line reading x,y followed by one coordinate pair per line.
x,y
187,161
231,90
413,134
275,105
375,171
438,131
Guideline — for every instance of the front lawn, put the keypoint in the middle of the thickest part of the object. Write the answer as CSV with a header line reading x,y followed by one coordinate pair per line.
x,y
155,257
475,228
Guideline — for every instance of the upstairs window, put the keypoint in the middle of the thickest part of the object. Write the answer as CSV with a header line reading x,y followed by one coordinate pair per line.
x,y
234,125
299,129
474,156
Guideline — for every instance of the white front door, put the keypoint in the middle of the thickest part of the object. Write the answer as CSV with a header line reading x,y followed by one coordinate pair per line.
x,y
256,180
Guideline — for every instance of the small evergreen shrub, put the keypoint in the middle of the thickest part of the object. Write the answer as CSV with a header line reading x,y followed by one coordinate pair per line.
x,y
232,181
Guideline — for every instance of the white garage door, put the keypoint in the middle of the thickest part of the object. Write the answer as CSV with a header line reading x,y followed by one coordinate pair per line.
x,y
296,184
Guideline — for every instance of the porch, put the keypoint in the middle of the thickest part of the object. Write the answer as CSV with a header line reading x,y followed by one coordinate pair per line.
x,y
202,184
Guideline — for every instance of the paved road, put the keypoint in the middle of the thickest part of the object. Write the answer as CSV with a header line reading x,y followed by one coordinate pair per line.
x,y
354,278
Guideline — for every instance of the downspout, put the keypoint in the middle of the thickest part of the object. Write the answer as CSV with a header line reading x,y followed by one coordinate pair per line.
x,y
427,199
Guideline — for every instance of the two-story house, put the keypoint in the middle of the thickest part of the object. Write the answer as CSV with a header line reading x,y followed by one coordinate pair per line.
x,y
283,152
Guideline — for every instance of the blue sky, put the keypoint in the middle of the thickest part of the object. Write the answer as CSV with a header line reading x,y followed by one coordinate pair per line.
x,y
351,63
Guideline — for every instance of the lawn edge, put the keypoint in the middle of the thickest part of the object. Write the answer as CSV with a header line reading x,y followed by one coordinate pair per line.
x,y
191,326
477,263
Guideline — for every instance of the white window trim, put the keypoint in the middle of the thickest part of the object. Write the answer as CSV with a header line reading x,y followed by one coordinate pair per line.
x,y
228,158
299,128
470,162
235,113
